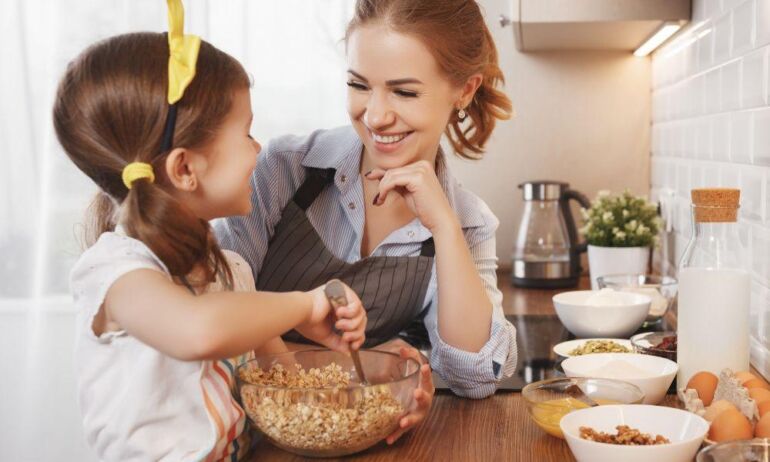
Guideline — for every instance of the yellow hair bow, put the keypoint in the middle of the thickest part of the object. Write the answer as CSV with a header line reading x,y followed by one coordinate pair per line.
x,y
135,171
183,52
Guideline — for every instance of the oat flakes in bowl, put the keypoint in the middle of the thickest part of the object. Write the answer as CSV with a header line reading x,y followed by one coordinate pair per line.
x,y
310,403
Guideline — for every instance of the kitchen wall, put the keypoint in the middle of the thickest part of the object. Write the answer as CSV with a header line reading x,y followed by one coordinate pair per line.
x,y
711,127
581,117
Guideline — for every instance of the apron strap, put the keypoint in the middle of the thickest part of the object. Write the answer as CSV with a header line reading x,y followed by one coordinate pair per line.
x,y
317,179
428,248
315,182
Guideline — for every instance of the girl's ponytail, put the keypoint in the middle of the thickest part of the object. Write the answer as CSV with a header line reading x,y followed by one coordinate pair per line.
x,y
174,233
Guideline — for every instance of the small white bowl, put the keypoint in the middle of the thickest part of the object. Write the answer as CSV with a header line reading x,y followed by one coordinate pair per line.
x,y
652,374
684,429
563,349
586,320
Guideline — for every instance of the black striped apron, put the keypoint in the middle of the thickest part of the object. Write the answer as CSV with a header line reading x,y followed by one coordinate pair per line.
x,y
392,289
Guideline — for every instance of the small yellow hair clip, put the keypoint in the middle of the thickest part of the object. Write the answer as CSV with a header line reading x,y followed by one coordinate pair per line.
x,y
183,52
136,171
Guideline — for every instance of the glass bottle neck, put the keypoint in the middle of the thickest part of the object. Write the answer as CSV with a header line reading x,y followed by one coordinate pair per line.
x,y
713,244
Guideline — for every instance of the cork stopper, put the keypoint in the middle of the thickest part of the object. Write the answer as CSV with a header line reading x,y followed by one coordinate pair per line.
x,y
716,205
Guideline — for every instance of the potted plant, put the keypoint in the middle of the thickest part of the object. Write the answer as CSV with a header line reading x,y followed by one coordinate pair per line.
x,y
620,230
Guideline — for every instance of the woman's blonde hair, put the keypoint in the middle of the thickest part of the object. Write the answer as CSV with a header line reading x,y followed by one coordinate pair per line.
x,y
455,32
110,110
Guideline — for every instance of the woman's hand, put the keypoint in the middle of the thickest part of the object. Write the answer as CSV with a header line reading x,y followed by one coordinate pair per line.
x,y
423,397
349,320
418,185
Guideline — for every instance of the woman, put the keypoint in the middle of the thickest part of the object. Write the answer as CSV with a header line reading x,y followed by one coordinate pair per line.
x,y
374,204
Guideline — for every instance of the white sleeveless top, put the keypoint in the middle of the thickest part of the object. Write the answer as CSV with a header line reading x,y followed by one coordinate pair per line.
x,y
137,403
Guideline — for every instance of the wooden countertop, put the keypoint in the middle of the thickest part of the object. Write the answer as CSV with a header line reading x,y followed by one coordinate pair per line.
x,y
494,429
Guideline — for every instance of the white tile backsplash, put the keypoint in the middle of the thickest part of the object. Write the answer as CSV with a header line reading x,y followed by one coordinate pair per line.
x,y
762,23
711,127
740,136
762,137
722,38
743,28
753,79
730,85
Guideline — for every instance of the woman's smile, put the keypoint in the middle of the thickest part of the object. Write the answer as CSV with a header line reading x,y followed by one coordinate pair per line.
x,y
389,142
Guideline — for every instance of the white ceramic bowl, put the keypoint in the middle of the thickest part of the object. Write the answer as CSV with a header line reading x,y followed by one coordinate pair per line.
x,y
586,320
652,374
564,348
684,429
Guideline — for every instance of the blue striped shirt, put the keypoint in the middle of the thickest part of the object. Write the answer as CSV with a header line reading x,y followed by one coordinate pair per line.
x,y
338,217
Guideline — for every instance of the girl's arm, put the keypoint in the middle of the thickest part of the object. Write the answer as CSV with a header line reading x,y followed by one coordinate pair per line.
x,y
167,317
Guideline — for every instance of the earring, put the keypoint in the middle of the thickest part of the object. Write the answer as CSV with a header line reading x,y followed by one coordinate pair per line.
x,y
461,113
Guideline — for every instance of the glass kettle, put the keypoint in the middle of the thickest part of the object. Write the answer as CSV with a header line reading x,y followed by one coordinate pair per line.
x,y
547,252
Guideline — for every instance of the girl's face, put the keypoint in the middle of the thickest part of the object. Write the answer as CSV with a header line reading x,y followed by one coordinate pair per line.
x,y
225,178
398,100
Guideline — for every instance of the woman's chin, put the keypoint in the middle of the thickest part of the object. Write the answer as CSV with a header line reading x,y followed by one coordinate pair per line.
x,y
391,160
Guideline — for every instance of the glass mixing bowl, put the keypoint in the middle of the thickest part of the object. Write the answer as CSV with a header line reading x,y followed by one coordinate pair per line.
x,y
299,413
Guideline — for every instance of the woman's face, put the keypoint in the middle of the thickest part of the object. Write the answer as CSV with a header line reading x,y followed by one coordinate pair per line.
x,y
398,100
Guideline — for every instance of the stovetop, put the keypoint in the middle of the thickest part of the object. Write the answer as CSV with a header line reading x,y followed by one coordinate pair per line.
x,y
536,336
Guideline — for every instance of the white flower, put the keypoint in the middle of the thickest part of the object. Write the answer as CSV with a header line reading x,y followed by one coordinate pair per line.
x,y
620,235
626,213
607,217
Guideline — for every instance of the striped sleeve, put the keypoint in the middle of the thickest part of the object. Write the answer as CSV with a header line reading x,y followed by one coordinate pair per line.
x,y
469,374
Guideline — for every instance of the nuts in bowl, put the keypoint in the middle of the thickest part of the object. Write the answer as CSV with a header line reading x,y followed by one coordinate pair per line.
x,y
310,402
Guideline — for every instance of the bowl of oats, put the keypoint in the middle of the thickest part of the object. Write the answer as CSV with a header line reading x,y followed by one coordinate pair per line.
x,y
311,402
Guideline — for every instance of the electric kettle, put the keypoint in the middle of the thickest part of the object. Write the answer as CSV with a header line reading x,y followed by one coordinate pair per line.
x,y
547,252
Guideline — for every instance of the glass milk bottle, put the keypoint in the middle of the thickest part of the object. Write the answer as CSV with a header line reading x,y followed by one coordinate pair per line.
x,y
714,289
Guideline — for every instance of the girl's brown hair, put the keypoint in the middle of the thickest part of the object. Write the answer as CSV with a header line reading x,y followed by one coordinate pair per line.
x,y
110,110
455,32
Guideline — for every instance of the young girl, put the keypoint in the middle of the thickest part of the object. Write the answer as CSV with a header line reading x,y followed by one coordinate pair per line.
x,y
160,304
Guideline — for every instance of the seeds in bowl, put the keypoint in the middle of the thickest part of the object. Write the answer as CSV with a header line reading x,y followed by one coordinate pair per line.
x,y
599,346
318,420
626,436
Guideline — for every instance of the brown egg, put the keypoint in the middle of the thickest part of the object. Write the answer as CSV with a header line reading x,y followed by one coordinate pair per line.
x,y
705,383
763,407
756,383
718,407
759,395
762,429
744,377
730,425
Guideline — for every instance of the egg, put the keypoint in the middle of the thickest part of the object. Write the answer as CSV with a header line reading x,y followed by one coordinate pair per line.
x,y
718,407
744,377
730,425
762,429
763,407
705,383
759,395
756,383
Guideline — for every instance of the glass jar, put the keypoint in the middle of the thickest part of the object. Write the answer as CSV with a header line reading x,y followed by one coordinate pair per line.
x,y
714,289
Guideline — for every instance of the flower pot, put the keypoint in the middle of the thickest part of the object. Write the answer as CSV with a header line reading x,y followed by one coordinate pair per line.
x,y
616,260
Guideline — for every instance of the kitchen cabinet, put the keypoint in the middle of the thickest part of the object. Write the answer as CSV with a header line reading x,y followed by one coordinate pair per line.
x,y
590,24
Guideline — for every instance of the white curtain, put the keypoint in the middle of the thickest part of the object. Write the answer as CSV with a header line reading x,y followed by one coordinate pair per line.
x,y
293,51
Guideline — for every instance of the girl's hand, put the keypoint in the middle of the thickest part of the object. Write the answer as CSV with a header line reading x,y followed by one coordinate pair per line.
x,y
423,397
349,320
418,185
